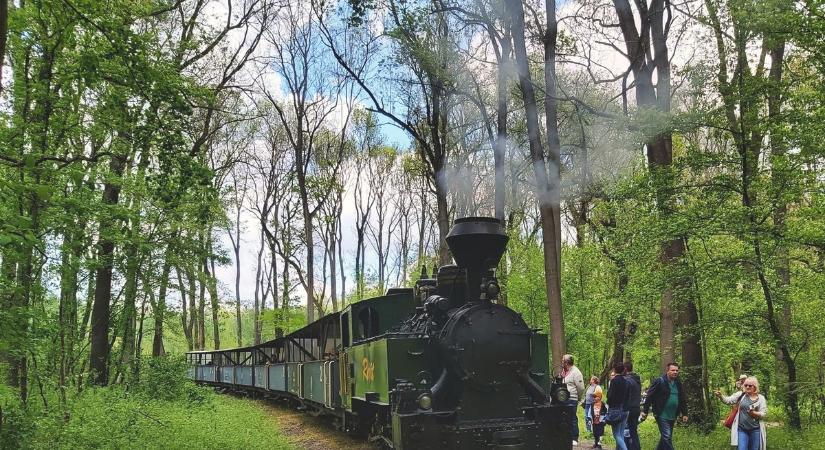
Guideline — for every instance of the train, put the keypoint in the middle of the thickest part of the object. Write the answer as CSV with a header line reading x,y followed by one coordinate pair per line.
x,y
439,365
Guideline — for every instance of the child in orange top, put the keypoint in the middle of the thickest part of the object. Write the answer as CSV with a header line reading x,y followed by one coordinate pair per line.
x,y
599,412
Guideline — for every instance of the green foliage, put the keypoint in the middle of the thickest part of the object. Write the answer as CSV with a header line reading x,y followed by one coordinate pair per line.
x,y
114,418
164,378
16,423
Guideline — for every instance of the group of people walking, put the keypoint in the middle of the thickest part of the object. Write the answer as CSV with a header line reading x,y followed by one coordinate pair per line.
x,y
623,409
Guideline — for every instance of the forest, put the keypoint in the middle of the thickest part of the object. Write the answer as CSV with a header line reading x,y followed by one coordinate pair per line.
x,y
182,175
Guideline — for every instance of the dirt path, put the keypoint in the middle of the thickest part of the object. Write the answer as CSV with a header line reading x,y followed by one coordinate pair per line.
x,y
312,433
318,433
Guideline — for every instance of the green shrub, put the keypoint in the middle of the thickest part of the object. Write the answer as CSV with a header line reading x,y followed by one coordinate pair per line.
x,y
164,378
16,424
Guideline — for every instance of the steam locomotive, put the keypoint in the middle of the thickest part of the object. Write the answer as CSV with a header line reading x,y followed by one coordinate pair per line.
x,y
439,365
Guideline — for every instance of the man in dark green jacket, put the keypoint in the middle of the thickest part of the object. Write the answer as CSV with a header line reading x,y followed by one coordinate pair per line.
x,y
667,397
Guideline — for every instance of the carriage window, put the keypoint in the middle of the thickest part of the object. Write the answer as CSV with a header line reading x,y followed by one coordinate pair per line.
x,y
368,322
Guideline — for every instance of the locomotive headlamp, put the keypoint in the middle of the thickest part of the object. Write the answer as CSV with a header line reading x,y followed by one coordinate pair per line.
x,y
562,395
425,401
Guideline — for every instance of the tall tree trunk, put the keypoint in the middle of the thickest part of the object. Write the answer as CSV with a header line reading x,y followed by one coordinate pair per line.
x,y
147,294
309,237
333,244
129,312
67,306
779,176
201,311
128,315
256,332
99,352
4,32
194,328
160,306
500,150
25,277
359,261
382,260
544,195
184,314
340,262
8,281
443,219
87,309
284,310
273,264
422,226
660,156
236,247
212,285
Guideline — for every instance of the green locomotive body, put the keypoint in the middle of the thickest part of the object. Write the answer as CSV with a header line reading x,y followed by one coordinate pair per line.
x,y
437,366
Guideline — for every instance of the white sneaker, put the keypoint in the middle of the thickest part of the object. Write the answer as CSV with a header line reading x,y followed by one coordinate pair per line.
x,y
575,443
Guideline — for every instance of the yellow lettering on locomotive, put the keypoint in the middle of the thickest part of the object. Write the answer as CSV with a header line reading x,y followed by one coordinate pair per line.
x,y
369,369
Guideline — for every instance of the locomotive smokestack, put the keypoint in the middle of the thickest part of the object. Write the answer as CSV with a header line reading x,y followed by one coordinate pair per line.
x,y
477,245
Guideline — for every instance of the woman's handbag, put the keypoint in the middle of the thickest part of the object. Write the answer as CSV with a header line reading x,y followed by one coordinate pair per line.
x,y
614,415
733,412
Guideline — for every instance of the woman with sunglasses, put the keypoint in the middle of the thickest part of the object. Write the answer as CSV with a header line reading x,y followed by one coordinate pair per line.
x,y
748,430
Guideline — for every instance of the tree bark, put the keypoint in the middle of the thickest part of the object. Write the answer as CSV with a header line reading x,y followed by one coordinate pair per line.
x,y
256,332
238,324
500,149
99,352
160,307
212,285
4,32
544,196
201,311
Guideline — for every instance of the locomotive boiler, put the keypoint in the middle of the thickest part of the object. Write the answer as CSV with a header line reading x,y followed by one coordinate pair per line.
x,y
440,365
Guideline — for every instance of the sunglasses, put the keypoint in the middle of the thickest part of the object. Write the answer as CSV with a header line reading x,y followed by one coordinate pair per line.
x,y
749,385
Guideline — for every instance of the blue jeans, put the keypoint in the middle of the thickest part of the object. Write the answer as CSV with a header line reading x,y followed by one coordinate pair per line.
x,y
749,439
574,419
618,432
588,416
666,432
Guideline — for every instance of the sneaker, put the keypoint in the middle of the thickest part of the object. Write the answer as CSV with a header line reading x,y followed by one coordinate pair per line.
x,y
575,443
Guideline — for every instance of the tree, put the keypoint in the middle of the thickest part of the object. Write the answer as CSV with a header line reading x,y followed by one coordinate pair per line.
x,y
311,100
741,92
424,52
547,194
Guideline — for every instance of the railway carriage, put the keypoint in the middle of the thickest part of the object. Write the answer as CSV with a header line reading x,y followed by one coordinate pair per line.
x,y
440,365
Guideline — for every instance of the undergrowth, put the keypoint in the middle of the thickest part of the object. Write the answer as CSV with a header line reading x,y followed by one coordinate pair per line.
x,y
161,411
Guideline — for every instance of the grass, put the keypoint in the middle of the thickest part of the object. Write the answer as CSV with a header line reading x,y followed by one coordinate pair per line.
x,y
780,437
111,418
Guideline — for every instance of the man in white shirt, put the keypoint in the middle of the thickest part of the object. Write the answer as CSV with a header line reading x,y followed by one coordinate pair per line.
x,y
572,377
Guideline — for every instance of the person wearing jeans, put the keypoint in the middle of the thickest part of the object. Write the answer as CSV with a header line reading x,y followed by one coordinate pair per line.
x,y
748,439
589,400
665,433
667,396
617,394
618,432
633,406
749,424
